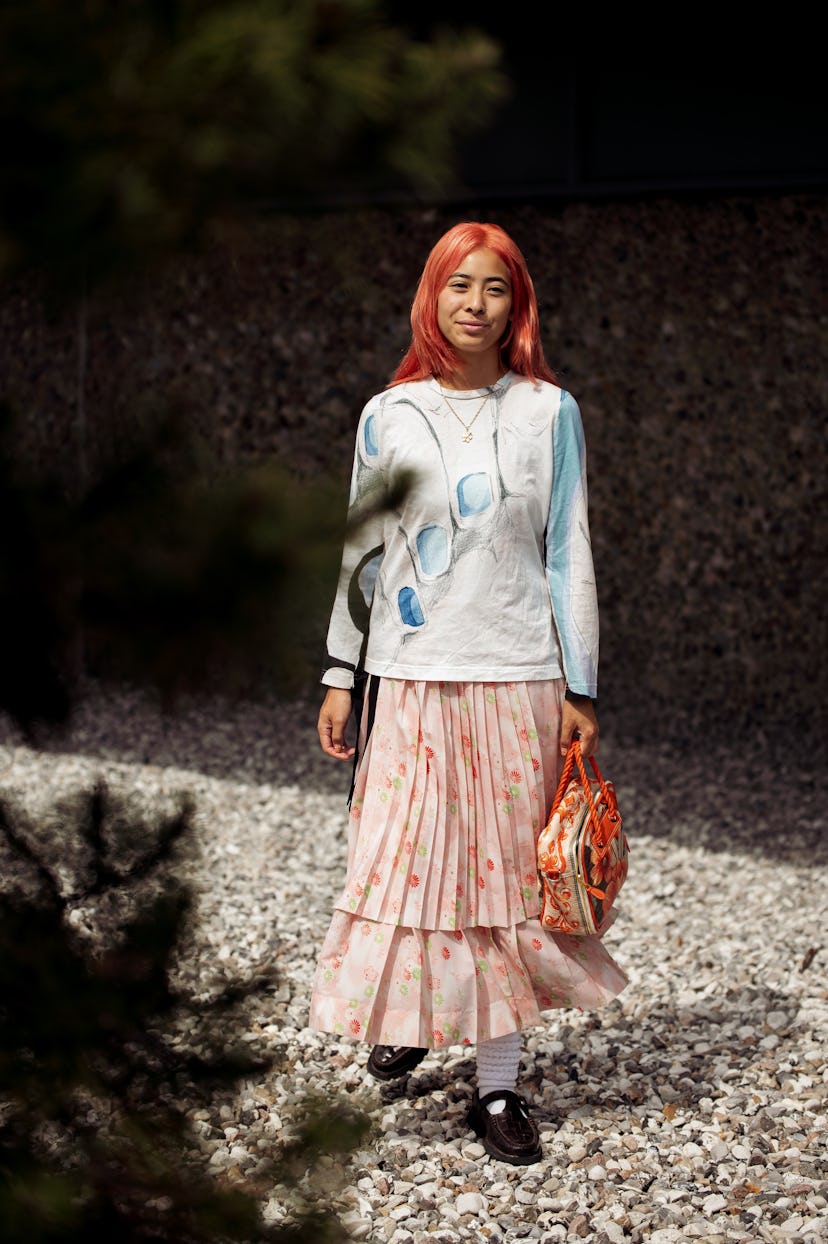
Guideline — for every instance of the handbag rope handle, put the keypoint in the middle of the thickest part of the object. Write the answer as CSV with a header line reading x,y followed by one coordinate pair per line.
x,y
574,757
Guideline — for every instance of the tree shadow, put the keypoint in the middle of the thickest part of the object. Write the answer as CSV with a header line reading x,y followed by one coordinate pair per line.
x,y
670,1065
671,1061
745,798
269,740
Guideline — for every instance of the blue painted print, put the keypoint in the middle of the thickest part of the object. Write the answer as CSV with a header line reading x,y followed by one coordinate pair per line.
x,y
368,577
409,606
371,443
433,549
474,494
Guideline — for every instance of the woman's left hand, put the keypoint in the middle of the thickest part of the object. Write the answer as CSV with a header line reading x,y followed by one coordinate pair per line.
x,y
579,719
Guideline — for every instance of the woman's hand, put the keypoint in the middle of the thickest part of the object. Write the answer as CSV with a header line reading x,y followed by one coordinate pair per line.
x,y
333,718
579,719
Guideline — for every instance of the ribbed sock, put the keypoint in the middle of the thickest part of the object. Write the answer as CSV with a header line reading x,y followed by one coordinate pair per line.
x,y
497,1066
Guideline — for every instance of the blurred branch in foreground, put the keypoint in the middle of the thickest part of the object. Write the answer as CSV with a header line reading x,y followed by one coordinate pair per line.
x,y
126,128
168,578
103,1057
128,133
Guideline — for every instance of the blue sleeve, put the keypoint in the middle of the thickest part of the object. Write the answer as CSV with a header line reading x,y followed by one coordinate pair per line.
x,y
569,567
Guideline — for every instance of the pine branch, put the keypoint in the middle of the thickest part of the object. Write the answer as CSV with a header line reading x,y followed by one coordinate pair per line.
x,y
27,855
171,831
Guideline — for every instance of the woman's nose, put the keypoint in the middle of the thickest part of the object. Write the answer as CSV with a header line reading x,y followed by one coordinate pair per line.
x,y
475,304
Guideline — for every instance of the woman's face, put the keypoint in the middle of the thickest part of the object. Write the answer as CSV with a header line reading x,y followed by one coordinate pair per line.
x,y
474,304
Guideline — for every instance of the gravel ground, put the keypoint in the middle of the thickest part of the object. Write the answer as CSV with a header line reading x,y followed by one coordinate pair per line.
x,y
692,1107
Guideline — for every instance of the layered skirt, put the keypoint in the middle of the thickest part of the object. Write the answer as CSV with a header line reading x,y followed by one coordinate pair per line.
x,y
435,938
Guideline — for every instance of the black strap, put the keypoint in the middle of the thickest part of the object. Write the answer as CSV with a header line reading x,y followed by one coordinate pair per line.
x,y
361,704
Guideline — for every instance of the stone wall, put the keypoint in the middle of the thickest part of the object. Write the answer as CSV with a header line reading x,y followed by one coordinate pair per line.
x,y
692,331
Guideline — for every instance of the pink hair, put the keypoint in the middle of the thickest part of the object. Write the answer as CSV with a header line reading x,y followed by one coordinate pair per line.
x,y
429,354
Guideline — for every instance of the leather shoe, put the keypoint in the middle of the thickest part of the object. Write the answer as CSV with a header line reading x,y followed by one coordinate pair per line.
x,y
510,1135
389,1062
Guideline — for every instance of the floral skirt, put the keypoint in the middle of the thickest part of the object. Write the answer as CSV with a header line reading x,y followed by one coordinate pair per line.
x,y
435,938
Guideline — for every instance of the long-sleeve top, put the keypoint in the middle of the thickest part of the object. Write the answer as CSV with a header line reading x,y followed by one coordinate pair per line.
x,y
481,569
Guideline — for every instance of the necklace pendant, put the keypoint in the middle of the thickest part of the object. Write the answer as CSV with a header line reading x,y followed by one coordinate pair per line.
x,y
466,426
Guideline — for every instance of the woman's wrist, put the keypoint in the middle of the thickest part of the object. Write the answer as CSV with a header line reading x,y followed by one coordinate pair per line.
x,y
577,697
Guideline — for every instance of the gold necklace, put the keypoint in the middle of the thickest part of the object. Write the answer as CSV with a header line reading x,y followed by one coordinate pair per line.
x,y
467,426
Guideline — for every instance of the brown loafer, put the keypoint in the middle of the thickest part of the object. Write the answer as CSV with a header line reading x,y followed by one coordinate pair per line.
x,y
389,1062
510,1135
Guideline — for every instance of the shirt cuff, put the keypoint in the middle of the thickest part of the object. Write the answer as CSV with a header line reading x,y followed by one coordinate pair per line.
x,y
337,677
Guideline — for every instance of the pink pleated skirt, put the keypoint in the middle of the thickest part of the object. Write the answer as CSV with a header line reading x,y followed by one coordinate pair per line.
x,y
435,938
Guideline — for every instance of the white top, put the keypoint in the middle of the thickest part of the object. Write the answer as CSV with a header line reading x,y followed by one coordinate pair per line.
x,y
483,569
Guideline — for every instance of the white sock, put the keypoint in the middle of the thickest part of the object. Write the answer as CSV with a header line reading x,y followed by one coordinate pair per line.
x,y
497,1066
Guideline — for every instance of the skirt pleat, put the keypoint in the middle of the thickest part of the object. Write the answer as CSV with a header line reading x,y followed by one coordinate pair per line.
x,y
435,937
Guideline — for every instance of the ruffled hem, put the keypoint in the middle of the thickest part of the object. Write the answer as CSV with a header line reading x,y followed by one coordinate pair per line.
x,y
392,985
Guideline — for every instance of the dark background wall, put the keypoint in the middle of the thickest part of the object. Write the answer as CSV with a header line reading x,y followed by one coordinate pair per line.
x,y
692,330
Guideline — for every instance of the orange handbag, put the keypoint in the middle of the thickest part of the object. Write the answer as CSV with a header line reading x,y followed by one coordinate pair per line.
x,y
582,851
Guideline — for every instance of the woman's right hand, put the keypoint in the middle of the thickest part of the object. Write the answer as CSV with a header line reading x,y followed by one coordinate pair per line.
x,y
333,718
579,720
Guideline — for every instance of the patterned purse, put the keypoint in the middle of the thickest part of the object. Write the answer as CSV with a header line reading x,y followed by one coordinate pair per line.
x,y
582,851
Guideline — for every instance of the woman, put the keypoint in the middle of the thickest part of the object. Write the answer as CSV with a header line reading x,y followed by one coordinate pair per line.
x,y
469,608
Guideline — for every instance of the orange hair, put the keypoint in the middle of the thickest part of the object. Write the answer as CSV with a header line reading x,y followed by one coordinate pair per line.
x,y
429,354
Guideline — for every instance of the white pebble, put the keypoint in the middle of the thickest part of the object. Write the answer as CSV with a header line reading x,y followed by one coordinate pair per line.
x,y
470,1203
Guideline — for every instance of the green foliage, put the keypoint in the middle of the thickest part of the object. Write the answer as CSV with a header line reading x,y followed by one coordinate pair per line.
x,y
165,577
129,131
189,581
101,1054
126,127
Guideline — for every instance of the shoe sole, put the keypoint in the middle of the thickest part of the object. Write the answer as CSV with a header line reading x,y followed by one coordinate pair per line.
x,y
512,1158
